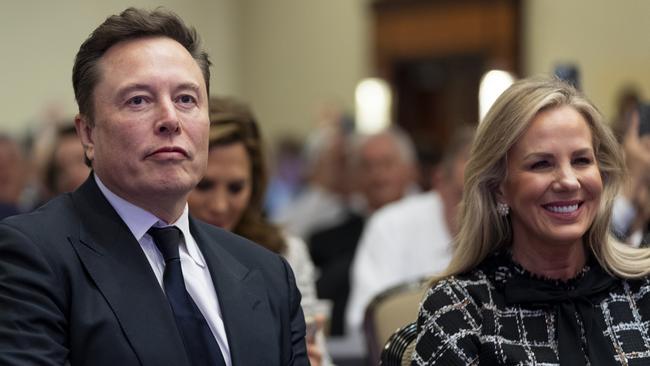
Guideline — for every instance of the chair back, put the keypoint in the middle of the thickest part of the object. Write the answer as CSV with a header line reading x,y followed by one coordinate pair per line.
x,y
400,347
389,311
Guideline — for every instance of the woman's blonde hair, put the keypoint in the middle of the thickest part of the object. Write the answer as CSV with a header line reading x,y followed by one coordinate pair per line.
x,y
483,230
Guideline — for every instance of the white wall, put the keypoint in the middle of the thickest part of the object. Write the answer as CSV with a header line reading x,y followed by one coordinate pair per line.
x,y
298,55
609,41
39,40
286,57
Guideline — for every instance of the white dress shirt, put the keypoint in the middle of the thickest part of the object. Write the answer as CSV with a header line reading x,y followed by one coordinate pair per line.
x,y
195,271
401,242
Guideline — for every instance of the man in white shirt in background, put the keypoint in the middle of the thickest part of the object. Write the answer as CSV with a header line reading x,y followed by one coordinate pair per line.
x,y
409,239
383,169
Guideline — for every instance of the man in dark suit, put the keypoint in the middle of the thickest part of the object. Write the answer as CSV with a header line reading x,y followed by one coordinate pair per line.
x,y
117,272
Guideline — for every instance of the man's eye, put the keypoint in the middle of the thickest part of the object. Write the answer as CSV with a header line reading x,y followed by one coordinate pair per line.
x,y
136,101
186,99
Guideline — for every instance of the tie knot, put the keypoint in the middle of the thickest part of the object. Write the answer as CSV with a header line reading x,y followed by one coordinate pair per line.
x,y
167,240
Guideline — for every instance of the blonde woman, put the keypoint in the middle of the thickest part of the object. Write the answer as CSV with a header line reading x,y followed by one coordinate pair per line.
x,y
536,277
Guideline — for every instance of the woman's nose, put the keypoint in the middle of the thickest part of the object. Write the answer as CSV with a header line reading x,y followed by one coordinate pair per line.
x,y
218,202
566,179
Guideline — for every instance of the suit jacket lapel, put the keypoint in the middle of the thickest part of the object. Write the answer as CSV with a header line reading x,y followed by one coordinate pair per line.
x,y
119,268
243,299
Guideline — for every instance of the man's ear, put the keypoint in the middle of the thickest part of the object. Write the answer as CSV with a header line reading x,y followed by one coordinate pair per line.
x,y
84,130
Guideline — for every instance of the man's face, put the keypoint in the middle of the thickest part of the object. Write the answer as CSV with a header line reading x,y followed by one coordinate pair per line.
x,y
149,141
384,175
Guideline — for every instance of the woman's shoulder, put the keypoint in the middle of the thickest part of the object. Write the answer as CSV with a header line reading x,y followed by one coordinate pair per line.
x,y
478,286
295,251
638,287
468,289
451,318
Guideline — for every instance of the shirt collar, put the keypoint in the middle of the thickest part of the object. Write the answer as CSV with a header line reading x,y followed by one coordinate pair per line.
x,y
139,220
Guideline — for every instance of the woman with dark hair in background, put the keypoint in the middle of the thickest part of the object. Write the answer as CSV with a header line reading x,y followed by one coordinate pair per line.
x,y
536,277
65,170
231,196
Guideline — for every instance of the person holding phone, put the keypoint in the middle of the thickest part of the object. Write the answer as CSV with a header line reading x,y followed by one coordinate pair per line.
x,y
631,215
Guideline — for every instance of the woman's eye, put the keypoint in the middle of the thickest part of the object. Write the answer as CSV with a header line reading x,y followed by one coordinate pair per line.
x,y
582,161
205,185
540,165
235,187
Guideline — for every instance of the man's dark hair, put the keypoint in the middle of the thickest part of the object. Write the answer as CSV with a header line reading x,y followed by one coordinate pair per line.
x,y
132,23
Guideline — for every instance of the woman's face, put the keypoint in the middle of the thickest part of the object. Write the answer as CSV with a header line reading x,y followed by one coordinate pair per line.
x,y
69,161
553,184
223,194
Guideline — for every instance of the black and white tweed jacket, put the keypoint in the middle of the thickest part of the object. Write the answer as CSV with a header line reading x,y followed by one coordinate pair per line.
x,y
464,320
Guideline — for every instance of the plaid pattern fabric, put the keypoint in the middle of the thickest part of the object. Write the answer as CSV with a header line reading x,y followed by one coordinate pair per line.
x,y
464,320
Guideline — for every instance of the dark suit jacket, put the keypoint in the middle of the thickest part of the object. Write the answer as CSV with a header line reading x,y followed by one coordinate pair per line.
x,y
75,287
332,250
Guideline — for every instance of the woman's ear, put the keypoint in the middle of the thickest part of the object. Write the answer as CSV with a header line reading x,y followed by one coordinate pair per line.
x,y
499,193
502,206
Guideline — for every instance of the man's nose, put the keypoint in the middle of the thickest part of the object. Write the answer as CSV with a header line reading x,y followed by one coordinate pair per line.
x,y
168,121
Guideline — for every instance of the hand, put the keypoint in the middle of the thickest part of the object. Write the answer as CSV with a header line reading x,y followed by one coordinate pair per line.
x,y
314,351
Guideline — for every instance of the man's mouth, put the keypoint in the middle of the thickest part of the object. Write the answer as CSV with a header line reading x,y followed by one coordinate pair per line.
x,y
169,150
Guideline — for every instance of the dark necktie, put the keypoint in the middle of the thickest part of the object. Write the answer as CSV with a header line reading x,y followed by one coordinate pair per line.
x,y
200,345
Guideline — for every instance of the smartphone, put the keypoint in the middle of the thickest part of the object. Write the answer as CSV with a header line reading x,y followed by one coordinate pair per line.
x,y
569,73
644,119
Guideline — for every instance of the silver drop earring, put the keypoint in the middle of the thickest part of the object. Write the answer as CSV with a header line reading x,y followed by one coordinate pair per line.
x,y
502,209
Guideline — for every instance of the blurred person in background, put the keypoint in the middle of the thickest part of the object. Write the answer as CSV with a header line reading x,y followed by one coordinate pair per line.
x,y
631,212
65,170
287,175
382,167
231,196
411,238
13,172
323,200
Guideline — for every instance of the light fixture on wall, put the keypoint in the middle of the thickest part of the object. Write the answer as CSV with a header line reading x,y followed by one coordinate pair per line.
x,y
493,83
373,101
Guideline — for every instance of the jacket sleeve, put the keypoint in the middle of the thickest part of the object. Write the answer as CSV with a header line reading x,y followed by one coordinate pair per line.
x,y
32,311
297,321
449,324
